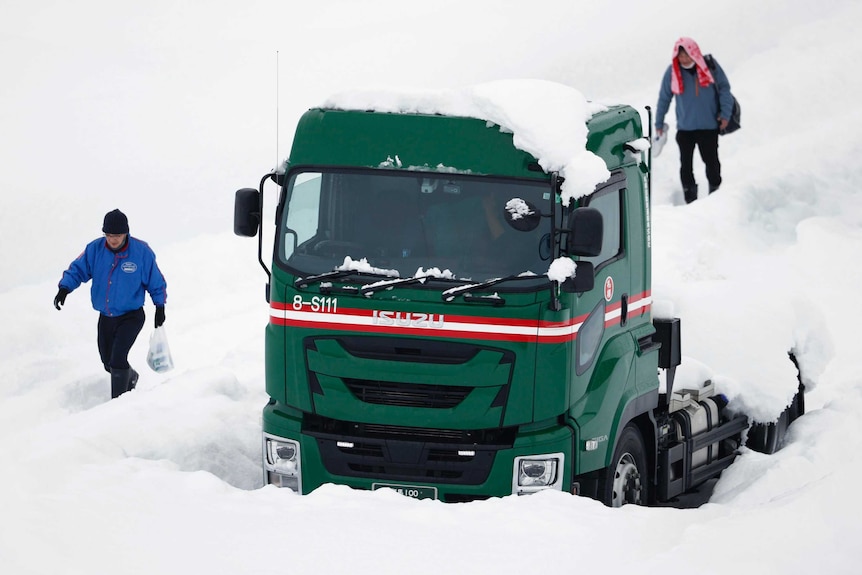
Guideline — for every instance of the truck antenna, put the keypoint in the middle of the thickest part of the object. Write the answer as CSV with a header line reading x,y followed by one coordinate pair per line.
x,y
276,111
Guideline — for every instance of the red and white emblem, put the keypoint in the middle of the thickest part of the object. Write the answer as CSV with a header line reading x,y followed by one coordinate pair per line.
x,y
609,288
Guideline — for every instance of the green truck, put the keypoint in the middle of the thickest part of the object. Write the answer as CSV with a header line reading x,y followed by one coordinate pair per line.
x,y
417,340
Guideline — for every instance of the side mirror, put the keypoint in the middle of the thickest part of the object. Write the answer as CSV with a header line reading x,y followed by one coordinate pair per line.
x,y
246,212
522,215
584,280
586,230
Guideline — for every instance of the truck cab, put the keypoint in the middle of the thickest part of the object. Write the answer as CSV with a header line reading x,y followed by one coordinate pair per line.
x,y
420,340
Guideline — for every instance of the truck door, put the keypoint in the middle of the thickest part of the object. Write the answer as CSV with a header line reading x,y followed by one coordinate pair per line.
x,y
613,278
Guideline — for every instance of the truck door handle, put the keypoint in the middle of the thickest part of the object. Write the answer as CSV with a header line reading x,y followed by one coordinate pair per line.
x,y
624,309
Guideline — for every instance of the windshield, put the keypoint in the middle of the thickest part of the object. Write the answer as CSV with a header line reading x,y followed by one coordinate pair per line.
x,y
450,225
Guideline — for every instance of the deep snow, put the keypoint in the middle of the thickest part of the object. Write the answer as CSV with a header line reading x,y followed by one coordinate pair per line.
x,y
165,109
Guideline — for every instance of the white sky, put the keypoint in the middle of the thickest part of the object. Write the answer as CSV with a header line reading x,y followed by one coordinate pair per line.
x,y
165,109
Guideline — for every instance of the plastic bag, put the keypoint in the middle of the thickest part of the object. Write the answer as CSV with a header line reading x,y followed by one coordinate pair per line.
x,y
159,357
658,141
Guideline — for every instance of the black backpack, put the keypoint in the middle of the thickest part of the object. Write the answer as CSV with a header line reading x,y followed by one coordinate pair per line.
x,y
736,112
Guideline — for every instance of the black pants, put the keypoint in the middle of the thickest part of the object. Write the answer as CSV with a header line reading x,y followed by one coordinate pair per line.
x,y
116,337
707,144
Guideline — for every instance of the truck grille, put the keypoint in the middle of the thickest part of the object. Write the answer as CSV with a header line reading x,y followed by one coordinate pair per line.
x,y
405,460
406,395
425,434
396,453
408,374
356,371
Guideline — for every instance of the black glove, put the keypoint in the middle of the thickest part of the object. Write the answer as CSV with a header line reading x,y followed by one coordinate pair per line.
x,y
60,298
160,316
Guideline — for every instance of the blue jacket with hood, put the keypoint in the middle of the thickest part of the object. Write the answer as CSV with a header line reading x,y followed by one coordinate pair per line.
x,y
119,278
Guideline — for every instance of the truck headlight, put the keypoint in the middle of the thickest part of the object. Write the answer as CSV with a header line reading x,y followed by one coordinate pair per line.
x,y
536,472
282,462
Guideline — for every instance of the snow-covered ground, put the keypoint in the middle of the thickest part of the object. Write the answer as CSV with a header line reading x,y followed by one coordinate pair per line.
x,y
163,109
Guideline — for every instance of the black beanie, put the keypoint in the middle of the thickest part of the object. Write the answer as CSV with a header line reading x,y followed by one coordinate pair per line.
x,y
116,222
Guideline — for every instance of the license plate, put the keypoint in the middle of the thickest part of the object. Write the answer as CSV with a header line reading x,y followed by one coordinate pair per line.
x,y
414,491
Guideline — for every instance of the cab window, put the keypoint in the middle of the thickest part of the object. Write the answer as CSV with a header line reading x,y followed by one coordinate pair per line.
x,y
608,201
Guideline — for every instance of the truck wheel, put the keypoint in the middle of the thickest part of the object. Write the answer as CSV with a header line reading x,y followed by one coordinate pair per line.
x,y
625,481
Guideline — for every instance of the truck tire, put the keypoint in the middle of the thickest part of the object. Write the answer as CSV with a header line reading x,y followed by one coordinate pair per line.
x,y
625,480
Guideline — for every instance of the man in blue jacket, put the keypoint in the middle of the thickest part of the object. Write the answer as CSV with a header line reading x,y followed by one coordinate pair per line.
x,y
121,268
700,115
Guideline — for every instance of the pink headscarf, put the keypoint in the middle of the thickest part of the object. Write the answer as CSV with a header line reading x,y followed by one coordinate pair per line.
x,y
704,77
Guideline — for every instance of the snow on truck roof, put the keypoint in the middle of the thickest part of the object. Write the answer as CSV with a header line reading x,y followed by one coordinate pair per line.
x,y
546,119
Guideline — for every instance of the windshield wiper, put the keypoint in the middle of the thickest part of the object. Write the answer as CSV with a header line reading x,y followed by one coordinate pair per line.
x,y
369,289
451,294
308,280
334,275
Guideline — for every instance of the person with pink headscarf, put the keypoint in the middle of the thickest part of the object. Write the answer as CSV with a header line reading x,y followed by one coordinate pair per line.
x,y
703,106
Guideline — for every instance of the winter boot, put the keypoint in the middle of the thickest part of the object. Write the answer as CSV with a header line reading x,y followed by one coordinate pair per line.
x,y
119,381
713,187
690,193
133,379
